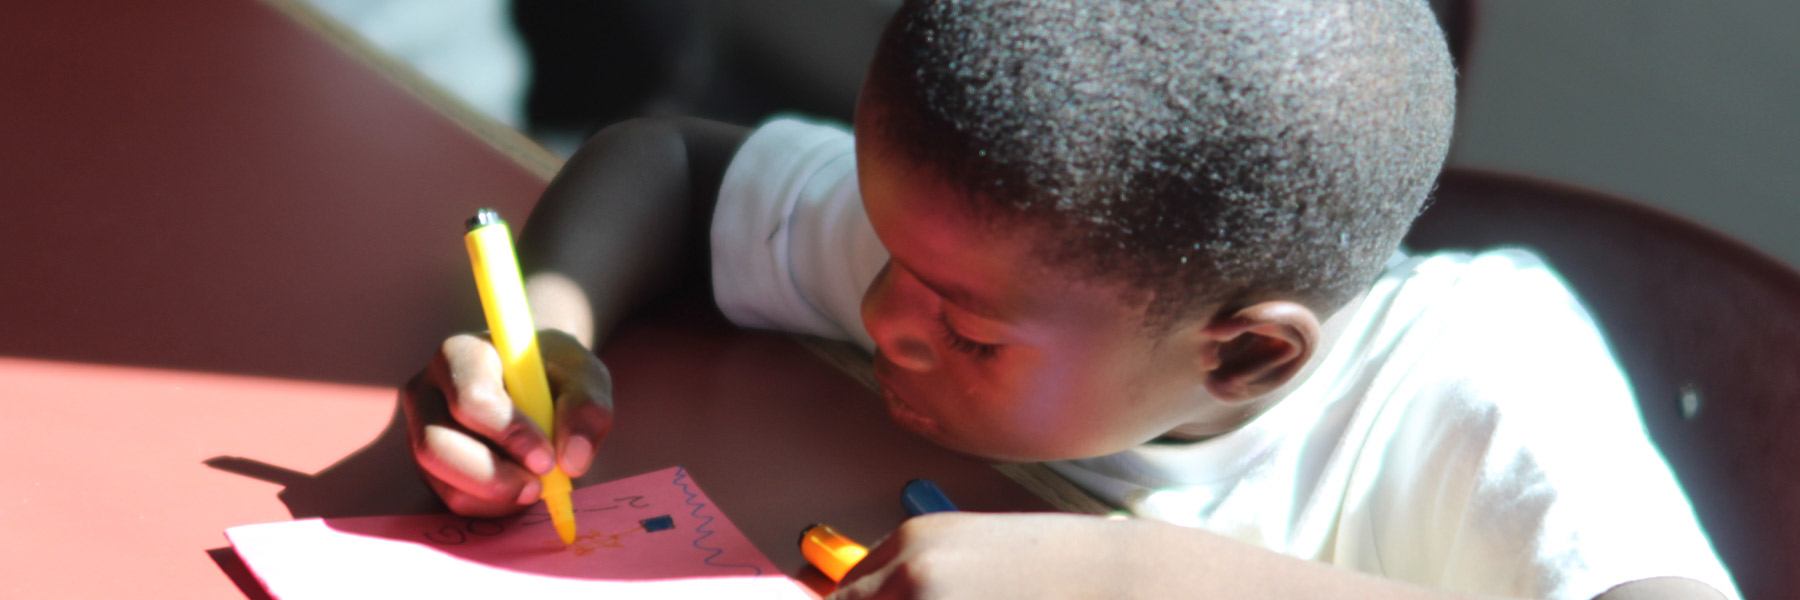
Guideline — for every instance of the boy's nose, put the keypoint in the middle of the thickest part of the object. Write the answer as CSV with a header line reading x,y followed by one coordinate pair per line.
x,y
910,354
895,317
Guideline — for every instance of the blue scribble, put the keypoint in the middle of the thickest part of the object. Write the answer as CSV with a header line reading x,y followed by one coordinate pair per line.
x,y
681,479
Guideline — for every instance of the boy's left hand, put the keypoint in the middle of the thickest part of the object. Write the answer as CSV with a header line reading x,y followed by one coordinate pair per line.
x,y
1053,555
976,555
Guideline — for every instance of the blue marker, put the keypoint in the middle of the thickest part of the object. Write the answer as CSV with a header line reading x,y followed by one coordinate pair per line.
x,y
922,496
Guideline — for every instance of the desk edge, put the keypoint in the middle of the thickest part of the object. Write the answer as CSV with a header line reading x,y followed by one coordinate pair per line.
x,y
504,139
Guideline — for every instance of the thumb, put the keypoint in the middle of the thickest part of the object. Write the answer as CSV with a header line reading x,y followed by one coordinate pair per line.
x,y
581,423
583,400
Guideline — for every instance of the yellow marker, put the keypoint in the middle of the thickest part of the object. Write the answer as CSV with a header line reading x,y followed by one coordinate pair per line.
x,y
509,322
829,551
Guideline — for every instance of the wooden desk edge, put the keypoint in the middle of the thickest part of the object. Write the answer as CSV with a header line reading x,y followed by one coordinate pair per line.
x,y
503,138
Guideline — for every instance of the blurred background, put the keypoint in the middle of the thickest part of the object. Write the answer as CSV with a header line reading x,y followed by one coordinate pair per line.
x,y
1690,107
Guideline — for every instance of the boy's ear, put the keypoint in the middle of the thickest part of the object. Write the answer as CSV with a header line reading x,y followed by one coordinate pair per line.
x,y
1258,348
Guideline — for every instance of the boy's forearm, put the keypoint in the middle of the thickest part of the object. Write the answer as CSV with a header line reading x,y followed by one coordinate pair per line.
x,y
1239,570
624,221
1261,573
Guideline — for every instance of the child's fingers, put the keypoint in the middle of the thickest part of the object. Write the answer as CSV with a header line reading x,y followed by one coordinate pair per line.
x,y
464,471
468,370
866,578
906,562
470,478
569,364
581,424
469,505
583,400
874,581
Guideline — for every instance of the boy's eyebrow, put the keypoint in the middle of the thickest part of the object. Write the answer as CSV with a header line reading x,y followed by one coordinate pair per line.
x,y
961,297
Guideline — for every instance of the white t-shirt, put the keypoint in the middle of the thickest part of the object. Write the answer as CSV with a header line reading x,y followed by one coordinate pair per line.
x,y
1469,431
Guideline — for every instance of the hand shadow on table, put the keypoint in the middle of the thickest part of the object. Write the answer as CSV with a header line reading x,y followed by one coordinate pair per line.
x,y
378,479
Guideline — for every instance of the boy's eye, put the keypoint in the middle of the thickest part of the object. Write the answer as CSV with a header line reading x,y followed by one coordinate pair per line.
x,y
964,345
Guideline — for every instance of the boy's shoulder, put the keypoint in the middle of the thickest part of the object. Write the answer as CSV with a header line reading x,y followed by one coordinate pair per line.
x,y
1496,332
1498,417
1495,309
792,249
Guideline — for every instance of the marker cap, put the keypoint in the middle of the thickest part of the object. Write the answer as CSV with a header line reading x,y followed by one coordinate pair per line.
x,y
921,496
829,551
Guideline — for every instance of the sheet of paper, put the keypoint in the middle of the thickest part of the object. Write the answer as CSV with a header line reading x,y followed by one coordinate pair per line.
x,y
654,535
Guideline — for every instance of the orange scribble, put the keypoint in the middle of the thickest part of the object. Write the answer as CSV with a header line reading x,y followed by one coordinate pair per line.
x,y
587,543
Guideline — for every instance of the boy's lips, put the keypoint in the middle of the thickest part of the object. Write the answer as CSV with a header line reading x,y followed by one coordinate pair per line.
x,y
906,415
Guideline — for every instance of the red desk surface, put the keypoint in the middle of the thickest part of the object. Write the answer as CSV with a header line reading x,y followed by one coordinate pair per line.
x,y
107,494
228,239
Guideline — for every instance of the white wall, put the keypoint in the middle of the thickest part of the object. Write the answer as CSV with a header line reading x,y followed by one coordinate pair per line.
x,y
1690,106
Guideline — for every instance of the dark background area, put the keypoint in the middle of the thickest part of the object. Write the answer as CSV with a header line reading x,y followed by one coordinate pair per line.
x,y
1689,107
599,62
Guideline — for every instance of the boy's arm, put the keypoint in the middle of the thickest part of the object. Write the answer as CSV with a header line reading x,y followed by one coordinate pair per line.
x,y
624,221
1073,556
1662,588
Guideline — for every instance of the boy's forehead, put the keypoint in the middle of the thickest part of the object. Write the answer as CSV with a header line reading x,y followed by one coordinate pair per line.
x,y
997,283
995,270
984,261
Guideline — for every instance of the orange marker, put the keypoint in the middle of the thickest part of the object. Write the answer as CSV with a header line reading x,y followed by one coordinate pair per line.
x,y
829,551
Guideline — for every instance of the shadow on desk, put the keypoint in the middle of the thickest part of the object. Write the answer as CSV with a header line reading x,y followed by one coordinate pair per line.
x,y
377,479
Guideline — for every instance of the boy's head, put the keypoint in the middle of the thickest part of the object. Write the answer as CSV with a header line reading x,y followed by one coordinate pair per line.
x,y
1196,164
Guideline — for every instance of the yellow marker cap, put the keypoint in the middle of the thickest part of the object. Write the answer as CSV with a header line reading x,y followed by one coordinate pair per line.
x,y
829,551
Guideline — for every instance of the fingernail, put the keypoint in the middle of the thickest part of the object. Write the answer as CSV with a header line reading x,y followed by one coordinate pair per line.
x,y
577,452
539,461
529,494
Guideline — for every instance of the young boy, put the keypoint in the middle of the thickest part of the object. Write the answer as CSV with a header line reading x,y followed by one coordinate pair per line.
x,y
1154,241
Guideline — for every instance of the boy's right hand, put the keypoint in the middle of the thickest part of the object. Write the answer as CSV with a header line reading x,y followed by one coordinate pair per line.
x,y
481,454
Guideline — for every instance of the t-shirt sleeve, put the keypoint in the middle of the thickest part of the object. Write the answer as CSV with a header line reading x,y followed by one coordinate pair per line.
x,y
1529,474
792,248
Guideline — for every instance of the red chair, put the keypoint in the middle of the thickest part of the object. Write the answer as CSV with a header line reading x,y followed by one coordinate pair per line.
x,y
1707,329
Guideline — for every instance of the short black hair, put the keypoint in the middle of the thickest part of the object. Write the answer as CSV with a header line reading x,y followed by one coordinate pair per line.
x,y
1211,153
